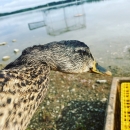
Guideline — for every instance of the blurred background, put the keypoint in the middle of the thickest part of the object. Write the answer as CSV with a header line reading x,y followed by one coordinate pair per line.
x,y
104,25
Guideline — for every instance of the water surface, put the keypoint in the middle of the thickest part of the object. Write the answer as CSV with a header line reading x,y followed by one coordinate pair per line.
x,y
104,26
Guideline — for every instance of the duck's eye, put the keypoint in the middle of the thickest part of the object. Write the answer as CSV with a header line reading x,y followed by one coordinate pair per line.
x,y
83,52
96,63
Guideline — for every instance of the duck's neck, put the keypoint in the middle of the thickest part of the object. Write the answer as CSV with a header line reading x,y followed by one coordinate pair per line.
x,y
26,87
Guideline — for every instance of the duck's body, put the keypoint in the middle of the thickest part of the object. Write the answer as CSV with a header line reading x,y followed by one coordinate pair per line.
x,y
24,82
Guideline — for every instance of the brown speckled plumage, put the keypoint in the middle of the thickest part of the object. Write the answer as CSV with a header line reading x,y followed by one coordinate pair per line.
x,y
24,82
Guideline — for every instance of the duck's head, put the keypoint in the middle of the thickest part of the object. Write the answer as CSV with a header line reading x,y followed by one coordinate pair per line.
x,y
72,57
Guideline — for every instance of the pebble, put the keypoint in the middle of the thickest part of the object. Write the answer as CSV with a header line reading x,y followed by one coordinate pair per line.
x,y
14,40
48,103
101,81
103,99
62,106
43,107
59,116
62,95
96,94
79,96
40,114
90,107
69,104
96,109
93,86
52,115
73,90
16,50
67,96
6,58
73,111
57,101
3,43
57,107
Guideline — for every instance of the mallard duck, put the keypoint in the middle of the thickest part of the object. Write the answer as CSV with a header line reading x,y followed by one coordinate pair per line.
x,y
24,82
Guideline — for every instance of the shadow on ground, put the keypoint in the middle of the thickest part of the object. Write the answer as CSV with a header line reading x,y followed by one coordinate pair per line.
x,y
82,115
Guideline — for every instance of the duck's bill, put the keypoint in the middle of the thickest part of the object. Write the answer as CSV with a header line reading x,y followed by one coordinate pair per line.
x,y
99,69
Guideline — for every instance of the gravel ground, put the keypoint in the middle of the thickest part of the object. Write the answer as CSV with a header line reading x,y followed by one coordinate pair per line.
x,y
74,102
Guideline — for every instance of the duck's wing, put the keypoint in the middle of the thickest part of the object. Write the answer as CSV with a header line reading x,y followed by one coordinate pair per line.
x,y
7,98
19,98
